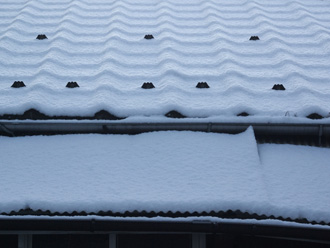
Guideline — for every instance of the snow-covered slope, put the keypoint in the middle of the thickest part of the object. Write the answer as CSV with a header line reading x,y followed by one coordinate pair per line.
x,y
100,44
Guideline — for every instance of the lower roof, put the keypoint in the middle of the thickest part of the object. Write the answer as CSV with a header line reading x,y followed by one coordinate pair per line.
x,y
174,174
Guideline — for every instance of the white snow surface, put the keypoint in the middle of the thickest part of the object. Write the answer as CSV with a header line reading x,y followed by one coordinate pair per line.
x,y
100,44
164,171
297,179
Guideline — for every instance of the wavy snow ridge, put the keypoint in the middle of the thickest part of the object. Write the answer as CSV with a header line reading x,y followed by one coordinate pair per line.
x,y
100,45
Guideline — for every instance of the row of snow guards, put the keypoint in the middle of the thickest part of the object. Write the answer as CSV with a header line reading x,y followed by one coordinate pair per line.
x,y
145,85
34,115
147,37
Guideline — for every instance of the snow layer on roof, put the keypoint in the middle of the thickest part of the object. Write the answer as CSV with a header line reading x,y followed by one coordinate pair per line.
x,y
298,179
100,44
177,171
164,171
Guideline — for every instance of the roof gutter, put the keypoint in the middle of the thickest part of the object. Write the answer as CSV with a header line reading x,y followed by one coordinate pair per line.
x,y
319,133
42,127
127,226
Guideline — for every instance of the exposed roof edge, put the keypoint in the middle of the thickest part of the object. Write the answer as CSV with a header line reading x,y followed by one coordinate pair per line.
x,y
98,225
321,132
230,214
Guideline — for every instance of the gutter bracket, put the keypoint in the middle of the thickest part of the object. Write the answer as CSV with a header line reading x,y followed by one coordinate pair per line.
x,y
320,134
105,129
209,127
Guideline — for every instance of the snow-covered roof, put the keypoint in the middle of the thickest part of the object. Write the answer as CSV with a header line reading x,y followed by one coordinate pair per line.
x,y
173,174
267,60
101,45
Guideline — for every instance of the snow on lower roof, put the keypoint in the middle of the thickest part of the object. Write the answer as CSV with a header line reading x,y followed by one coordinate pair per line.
x,y
100,45
164,171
